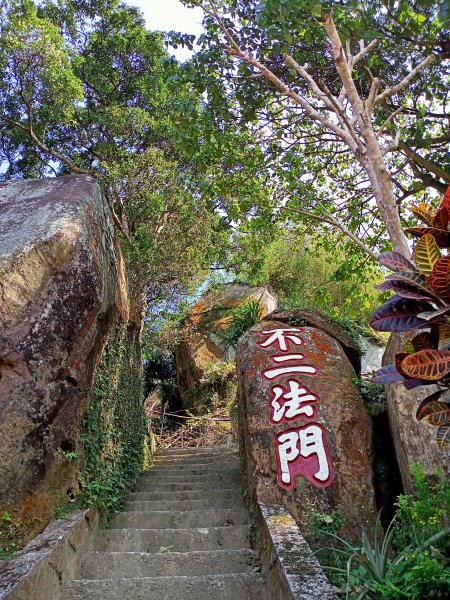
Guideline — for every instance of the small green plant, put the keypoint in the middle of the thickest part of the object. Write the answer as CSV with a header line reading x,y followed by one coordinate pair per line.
x,y
11,535
410,560
426,511
373,394
242,318
62,512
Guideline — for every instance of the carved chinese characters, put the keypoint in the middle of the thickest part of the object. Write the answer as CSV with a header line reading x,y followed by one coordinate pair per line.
x,y
302,450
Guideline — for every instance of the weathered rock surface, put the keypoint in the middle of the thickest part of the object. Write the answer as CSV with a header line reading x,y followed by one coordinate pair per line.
x,y
203,329
62,286
340,411
318,320
415,442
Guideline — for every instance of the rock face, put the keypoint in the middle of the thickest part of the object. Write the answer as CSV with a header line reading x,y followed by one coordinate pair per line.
x,y
203,342
305,430
414,441
62,287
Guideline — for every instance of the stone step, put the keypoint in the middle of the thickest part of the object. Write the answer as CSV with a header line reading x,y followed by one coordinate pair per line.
x,y
198,486
101,565
173,540
179,520
199,463
199,469
197,451
155,478
208,587
197,494
200,504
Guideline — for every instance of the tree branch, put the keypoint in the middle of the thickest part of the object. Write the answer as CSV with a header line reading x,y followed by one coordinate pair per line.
x,y
423,162
329,219
396,88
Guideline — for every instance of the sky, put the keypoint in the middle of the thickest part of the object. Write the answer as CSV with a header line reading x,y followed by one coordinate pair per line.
x,y
167,15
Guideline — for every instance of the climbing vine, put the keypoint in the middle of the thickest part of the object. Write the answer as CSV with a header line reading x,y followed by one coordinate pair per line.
x,y
114,436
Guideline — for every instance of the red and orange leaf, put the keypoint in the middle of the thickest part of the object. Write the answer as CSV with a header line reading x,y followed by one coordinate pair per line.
x,y
399,358
425,340
430,365
424,212
432,408
442,236
438,418
443,436
441,219
439,278
445,202
432,399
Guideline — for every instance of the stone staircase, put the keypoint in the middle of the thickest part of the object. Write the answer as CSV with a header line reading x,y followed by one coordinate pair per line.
x,y
184,534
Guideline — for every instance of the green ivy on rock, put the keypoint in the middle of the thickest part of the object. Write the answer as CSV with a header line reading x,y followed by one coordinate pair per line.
x,y
114,434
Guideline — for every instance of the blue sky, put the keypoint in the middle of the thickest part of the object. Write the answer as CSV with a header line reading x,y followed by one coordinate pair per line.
x,y
165,15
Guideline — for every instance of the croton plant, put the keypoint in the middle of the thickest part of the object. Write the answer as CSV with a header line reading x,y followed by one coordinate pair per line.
x,y
422,304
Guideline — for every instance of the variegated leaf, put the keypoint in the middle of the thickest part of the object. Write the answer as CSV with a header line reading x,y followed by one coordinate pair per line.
x,y
442,236
426,254
439,279
395,261
433,398
424,212
443,436
431,408
430,365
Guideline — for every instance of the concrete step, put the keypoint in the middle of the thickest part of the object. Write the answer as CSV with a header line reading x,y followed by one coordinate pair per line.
x,y
197,451
198,486
176,505
180,520
173,540
208,587
152,493
156,477
200,465
190,469
101,565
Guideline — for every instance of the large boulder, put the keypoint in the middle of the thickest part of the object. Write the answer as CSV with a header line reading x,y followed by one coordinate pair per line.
x,y
203,342
415,442
306,435
62,287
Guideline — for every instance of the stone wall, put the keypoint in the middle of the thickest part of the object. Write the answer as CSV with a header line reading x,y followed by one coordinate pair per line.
x,y
62,289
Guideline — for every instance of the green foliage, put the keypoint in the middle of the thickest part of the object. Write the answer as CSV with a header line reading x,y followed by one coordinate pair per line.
x,y
425,512
373,394
242,318
311,173
114,428
11,535
410,559
306,272
86,88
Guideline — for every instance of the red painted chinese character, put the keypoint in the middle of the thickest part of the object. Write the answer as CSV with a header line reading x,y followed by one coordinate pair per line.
x,y
279,337
297,402
303,451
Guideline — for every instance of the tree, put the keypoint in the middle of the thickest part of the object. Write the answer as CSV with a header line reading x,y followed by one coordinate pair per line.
x,y
349,98
86,89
